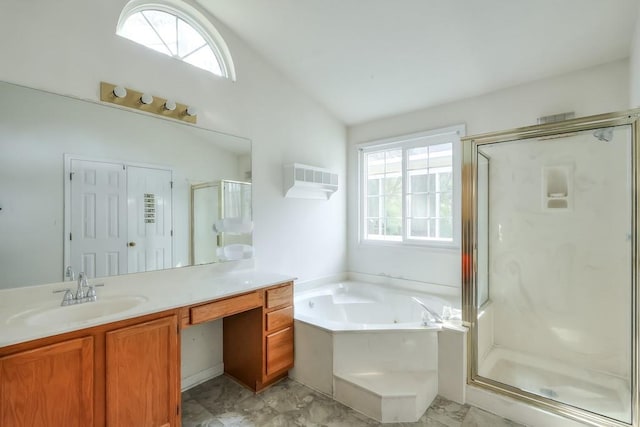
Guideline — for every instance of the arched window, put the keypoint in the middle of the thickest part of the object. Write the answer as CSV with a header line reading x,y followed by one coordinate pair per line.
x,y
177,30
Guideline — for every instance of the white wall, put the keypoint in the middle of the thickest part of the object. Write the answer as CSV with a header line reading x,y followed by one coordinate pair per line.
x,y
69,46
634,64
596,90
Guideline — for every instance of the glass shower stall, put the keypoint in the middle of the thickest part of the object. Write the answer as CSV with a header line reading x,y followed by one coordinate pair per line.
x,y
550,265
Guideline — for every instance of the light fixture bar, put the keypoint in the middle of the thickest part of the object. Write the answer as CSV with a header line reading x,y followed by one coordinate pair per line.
x,y
133,99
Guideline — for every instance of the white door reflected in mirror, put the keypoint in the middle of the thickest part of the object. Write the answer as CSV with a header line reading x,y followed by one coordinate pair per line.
x,y
119,217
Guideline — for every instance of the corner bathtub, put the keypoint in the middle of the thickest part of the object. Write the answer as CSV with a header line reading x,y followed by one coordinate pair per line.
x,y
366,345
358,306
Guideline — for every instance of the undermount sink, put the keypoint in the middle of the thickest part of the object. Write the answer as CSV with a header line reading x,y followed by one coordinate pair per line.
x,y
77,313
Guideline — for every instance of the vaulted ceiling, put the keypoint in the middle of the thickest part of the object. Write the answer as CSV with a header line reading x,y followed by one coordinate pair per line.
x,y
366,59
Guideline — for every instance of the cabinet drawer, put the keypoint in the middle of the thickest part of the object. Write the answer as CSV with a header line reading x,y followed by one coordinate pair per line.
x,y
226,307
279,351
278,319
279,296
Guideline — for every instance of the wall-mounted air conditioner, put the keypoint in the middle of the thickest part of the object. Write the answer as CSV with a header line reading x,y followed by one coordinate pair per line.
x,y
309,182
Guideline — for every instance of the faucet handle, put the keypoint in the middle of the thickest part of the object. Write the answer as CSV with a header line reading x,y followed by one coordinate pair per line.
x,y
91,292
67,299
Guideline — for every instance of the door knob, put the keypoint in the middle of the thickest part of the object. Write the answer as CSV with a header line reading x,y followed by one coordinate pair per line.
x,y
131,244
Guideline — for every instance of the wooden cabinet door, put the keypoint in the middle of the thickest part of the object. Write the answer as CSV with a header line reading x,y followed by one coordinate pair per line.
x,y
143,385
48,386
279,351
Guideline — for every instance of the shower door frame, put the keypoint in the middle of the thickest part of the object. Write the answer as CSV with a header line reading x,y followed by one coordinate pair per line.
x,y
470,146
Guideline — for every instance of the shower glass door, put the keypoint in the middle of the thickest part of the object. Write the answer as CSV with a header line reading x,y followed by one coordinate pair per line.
x,y
552,287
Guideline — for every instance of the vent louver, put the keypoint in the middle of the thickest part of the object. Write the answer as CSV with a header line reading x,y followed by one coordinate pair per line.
x,y
309,182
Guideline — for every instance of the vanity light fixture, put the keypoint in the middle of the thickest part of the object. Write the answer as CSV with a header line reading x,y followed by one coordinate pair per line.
x,y
126,97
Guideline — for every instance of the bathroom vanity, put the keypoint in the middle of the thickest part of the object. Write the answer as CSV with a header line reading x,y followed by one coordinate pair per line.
x,y
126,372
117,361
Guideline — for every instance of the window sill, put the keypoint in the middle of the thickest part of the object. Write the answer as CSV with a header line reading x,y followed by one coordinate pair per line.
x,y
446,247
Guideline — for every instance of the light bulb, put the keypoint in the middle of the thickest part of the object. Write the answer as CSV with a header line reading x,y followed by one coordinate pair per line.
x,y
192,111
119,92
170,105
146,99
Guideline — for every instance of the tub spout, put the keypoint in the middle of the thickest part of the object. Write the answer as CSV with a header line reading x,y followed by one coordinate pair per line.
x,y
429,312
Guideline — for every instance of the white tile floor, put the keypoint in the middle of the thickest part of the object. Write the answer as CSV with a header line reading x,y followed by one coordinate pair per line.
x,y
222,402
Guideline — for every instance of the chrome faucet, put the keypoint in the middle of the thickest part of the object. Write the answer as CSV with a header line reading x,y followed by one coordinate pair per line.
x,y
84,292
436,317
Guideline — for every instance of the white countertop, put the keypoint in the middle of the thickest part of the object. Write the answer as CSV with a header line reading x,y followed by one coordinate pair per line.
x,y
162,290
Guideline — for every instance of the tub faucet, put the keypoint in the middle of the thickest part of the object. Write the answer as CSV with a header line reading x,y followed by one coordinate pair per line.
x,y
436,317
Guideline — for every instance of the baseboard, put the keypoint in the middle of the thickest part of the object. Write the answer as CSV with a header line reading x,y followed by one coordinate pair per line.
x,y
202,376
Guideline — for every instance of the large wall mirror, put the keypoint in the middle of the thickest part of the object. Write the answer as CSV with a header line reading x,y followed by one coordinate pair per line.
x,y
110,191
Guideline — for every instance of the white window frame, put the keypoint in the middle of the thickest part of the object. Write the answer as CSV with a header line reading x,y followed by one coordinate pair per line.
x,y
191,16
451,134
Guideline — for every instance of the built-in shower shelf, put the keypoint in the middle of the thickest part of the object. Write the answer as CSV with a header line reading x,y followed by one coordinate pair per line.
x,y
557,202
557,188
